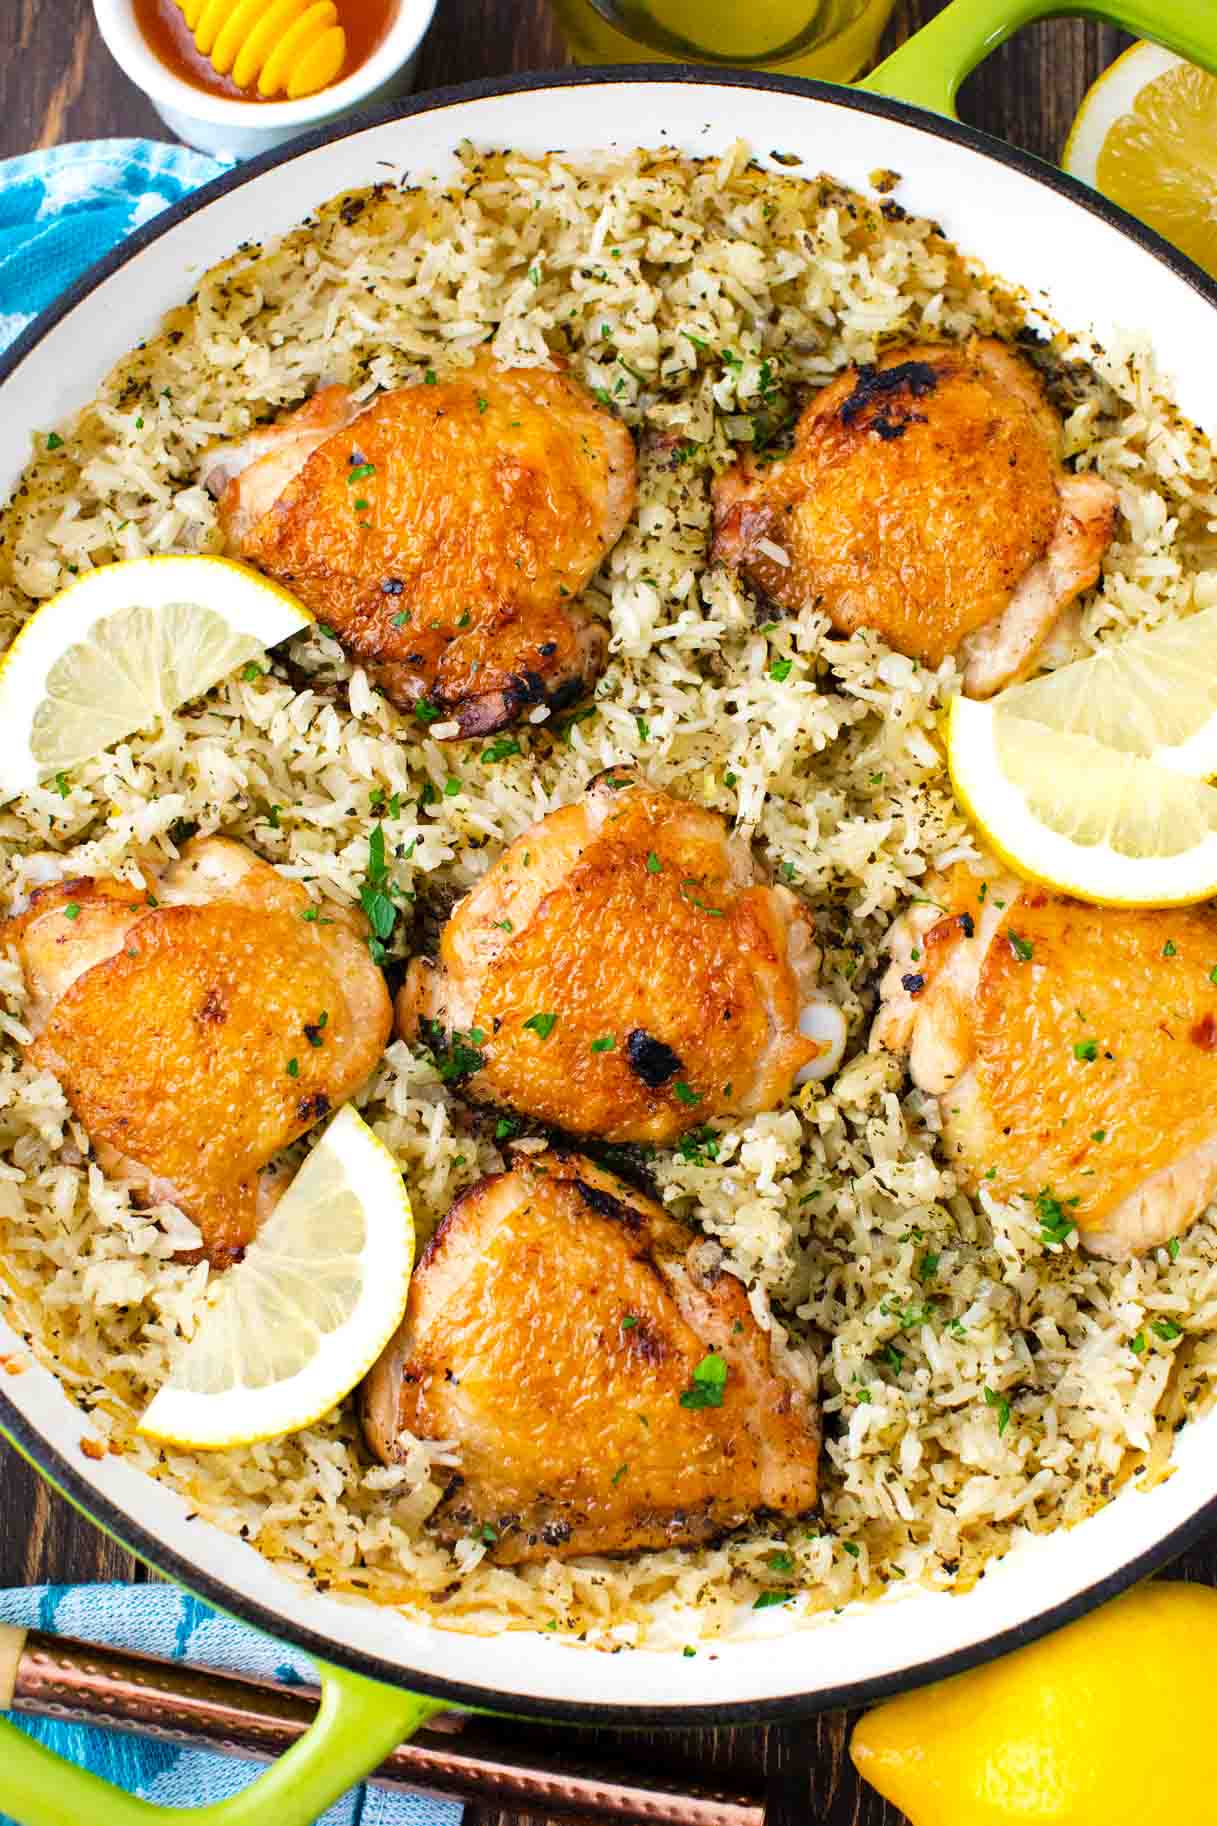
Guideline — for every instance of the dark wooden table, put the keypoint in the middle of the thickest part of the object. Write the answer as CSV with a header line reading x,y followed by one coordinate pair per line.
x,y
58,83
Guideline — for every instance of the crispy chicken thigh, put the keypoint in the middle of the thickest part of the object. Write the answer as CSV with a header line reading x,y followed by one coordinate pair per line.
x,y
554,1333
1072,1050
443,532
199,1029
621,972
924,498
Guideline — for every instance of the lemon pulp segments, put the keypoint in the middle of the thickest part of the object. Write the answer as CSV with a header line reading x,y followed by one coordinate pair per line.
x,y
1153,695
135,668
1160,160
1080,817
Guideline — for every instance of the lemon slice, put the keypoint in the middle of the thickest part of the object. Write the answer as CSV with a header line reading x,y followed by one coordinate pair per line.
x,y
1146,136
1153,695
306,1313
121,649
1079,816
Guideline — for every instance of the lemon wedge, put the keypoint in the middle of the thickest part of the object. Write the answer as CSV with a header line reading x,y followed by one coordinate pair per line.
x,y
305,1314
1153,695
1079,816
121,649
1146,136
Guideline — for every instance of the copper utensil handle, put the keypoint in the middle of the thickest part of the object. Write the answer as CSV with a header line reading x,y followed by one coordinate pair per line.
x,y
457,1754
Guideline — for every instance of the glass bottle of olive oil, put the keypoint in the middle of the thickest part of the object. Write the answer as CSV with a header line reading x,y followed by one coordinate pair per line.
x,y
834,39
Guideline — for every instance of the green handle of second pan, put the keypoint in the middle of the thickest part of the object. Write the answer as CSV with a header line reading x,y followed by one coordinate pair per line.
x,y
928,70
358,1723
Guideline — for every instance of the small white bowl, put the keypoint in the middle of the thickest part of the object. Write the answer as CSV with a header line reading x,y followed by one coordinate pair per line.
x,y
239,129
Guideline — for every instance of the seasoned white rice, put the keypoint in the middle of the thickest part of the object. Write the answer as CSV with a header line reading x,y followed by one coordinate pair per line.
x,y
976,1385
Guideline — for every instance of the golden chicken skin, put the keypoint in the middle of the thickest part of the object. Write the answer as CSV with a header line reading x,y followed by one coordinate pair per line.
x,y
1072,1050
601,1376
442,532
924,498
198,1029
621,971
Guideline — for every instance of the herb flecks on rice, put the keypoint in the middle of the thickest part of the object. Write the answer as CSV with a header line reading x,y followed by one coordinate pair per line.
x,y
976,1384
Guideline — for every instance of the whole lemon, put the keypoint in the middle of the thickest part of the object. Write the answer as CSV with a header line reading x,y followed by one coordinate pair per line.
x,y
1109,1722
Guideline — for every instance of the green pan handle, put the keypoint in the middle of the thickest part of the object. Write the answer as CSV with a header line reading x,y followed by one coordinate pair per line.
x,y
928,70
358,1723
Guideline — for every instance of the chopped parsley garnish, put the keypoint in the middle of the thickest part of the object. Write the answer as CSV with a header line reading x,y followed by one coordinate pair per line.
x,y
1056,1225
272,816
488,1534
629,1321
605,1043
851,1548
781,1562
1167,1330
767,1599
456,1055
580,716
500,750
401,618
430,377
781,670
376,896
542,1024
1170,949
427,712
504,925
1000,1403
314,1030
1021,947
54,441
482,404
323,627
893,1356
927,1268
361,507
452,787
1099,1135
1137,1344
293,1068
1213,974
252,671
644,728
708,1383
63,785
463,619
618,1474
729,779
1172,1248
685,1093
360,471
72,910
1085,1049
699,1146
653,863
691,881
506,1128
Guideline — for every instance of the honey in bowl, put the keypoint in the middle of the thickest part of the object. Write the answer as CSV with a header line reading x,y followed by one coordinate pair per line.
x,y
365,24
